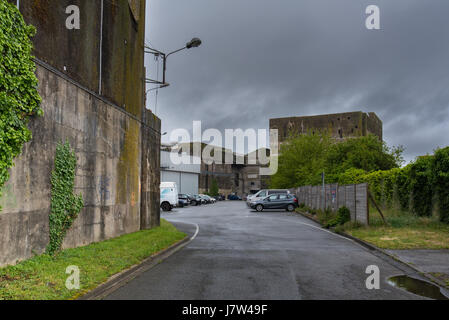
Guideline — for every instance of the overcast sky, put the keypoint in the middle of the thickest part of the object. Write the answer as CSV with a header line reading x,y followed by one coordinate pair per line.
x,y
265,59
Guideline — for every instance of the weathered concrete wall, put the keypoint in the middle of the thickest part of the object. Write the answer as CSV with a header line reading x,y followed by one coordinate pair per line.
x,y
76,53
115,139
354,197
151,173
340,125
109,148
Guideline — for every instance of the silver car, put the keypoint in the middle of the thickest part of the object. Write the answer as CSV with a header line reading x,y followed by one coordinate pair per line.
x,y
263,194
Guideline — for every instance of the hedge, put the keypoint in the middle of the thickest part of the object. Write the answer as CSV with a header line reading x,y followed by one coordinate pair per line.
x,y
441,182
413,187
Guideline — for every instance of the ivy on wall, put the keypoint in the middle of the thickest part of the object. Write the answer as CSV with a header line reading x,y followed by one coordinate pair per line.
x,y
19,99
65,206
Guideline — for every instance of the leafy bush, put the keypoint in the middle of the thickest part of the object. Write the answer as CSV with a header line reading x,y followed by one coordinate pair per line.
x,y
366,153
402,187
213,190
343,216
351,176
65,206
441,182
301,160
325,216
304,157
19,99
420,181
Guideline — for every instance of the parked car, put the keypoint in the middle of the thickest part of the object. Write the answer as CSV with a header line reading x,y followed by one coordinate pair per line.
x,y
276,201
234,197
204,199
195,200
265,193
184,200
252,194
169,196
208,199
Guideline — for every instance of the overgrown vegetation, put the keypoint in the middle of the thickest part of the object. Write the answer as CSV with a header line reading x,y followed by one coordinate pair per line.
x,y
343,216
403,231
213,190
65,206
440,179
304,157
419,188
19,99
43,277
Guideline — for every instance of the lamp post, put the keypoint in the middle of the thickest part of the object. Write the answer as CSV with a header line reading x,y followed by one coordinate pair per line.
x,y
194,43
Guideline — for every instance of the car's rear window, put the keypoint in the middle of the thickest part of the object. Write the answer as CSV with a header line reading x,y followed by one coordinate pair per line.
x,y
277,192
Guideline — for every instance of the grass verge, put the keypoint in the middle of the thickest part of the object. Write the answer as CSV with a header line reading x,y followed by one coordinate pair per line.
x,y
404,231
43,277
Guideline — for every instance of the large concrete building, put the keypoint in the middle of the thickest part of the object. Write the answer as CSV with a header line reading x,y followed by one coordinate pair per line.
x,y
186,175
92,86
240,179
231,178
340,125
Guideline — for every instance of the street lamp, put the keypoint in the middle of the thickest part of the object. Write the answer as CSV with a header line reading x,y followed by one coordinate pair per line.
x,y
194,43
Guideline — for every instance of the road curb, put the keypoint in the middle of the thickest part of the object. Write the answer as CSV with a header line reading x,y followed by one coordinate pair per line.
x,y
308,216
394,257
381,251
125,276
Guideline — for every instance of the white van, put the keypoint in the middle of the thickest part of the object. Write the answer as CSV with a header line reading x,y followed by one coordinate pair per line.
x,y
169,195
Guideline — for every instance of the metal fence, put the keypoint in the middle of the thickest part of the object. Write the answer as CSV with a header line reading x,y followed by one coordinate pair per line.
x,y
334,196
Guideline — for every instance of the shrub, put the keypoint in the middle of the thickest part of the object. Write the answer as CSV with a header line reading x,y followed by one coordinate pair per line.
x,y
420,181
402,187
213,190
343,216
441,181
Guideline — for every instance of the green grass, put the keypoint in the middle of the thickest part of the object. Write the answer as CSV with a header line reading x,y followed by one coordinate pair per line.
x,y
403,231
43,277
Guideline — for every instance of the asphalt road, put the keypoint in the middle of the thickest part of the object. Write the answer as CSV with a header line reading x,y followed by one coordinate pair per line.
x,y
240,254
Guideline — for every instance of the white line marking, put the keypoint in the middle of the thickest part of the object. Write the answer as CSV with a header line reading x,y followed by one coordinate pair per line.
x,y
194,224
318,228
196,233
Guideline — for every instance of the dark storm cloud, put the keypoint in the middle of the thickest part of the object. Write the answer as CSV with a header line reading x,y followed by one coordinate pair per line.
x,y
262,59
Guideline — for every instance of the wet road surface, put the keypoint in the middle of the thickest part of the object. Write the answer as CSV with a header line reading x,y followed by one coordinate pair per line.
x,y
240,254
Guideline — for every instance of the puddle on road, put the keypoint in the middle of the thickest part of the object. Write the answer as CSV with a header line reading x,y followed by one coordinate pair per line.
x,y
419,287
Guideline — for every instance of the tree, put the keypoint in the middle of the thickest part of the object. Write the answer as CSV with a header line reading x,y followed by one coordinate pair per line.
x,y
366,153
420,183
304,157
301,160
441,181
213,190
